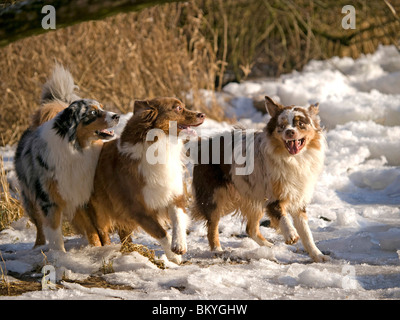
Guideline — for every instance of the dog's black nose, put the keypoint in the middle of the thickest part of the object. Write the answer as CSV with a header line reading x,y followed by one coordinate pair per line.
x,y
201,115
289,133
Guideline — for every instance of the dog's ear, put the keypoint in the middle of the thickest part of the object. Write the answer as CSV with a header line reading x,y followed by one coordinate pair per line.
x,y
271,106
67,119
149,115
146,109
140,105
313,109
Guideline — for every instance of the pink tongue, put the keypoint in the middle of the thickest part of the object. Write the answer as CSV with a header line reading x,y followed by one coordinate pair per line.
x,y
107,131
293,146
190,131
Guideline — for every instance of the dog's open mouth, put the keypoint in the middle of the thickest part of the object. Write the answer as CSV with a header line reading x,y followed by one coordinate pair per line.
x,y
187,128
105,134
295,146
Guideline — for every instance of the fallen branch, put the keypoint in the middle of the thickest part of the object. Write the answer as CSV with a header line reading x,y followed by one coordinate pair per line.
x,y
24,19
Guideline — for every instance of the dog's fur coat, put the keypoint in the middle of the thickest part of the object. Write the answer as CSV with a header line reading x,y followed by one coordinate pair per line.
x,y
132,190
55,162
288,158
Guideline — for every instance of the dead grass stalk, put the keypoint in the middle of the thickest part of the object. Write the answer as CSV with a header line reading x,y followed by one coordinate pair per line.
x,y
10,207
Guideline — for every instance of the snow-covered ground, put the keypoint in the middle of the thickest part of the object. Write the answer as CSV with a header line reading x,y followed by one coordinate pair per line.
x,y
354,215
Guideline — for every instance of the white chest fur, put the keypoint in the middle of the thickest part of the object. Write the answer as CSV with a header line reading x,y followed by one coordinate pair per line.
x,y
160,164
297,174
162,171
74,169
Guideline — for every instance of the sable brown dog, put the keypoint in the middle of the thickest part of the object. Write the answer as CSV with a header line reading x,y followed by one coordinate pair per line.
x,y
139,177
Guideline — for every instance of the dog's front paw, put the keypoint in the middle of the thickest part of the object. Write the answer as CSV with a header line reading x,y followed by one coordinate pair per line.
x,y
288,231
266,243
291,238
179,247
320,257
177,259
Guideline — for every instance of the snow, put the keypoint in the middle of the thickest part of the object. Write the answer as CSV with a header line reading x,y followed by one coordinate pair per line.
x,y
354,214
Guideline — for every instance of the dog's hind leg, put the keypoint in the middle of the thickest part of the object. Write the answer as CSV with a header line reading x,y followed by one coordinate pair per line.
x,y
35,215
212,232
83,223
37,219
301,224
100,223
211,199
208,213
40,237
254,216
222,204
125,235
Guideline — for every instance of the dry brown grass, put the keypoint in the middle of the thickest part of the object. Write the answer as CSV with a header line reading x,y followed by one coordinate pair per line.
x,y
128,247
268,38
116,60
19,287
10,207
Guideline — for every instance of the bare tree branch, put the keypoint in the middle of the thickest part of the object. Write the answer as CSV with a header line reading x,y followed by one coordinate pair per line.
x,y
24,18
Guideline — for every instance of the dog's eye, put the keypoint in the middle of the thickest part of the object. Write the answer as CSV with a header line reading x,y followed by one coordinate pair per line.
x,y
93,112
302,125
281,127
178,108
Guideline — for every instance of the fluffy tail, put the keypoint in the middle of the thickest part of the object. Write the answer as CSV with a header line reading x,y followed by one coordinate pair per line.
x,y
60,87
